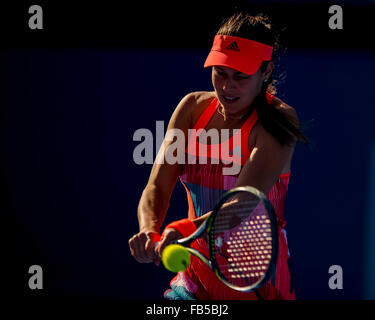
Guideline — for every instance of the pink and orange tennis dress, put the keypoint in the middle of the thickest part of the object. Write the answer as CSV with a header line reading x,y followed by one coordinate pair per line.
x,y
204,184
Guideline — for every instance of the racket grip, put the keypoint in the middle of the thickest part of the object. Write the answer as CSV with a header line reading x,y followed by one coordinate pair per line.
x,y
157,242
155,246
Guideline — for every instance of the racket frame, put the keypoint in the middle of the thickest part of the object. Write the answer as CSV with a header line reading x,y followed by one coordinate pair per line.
x,y
204,227
270,273
207,226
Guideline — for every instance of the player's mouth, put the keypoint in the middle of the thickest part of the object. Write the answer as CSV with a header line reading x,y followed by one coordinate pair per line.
x,y
229,99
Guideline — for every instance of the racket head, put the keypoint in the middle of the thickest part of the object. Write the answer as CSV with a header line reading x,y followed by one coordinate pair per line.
x,y
243,239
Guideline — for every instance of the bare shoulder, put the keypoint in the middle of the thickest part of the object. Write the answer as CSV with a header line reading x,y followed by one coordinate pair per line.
x,y
189,107
260,131
201,97
196,99
199,100
289,111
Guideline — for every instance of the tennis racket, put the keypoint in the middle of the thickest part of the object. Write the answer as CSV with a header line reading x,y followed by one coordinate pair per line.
x,y
242,238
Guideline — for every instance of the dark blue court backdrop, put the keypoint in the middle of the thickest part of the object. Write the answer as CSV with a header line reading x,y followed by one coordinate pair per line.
x,y
72,187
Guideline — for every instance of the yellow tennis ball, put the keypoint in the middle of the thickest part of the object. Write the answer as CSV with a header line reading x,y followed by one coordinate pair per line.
x,y
175,258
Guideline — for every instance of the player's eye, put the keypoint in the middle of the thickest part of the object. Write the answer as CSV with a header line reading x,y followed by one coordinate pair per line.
x,y
219,72
242,77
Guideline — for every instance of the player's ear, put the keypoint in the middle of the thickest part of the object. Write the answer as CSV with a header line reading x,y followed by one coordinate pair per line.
x,y
269,70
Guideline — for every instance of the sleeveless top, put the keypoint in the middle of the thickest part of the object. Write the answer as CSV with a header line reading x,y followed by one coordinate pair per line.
x,y
205,182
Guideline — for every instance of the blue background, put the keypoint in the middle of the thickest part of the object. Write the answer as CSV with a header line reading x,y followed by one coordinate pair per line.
x,y
73,187
73,94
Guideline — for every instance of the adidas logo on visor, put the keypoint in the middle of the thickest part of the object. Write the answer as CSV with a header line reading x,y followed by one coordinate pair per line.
x,y
233,46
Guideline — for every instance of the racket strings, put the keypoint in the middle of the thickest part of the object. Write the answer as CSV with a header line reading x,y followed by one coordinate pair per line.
x,y
243,251
233,212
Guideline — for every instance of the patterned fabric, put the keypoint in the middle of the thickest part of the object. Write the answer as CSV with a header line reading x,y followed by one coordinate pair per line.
x,y
204,184
182,288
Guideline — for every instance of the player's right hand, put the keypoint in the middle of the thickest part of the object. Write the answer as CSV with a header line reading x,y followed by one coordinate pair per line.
x,y
169,235
142,247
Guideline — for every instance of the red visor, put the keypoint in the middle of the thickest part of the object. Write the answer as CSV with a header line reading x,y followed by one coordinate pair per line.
x,y
237,53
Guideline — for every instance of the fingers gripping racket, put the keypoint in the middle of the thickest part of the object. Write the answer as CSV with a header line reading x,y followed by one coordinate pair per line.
x,y
242,239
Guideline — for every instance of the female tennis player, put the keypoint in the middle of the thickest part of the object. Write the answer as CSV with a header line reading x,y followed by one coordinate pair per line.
x,y
244,98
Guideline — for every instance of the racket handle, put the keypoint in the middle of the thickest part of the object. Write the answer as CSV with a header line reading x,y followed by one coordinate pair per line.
x,y
155,246
157,242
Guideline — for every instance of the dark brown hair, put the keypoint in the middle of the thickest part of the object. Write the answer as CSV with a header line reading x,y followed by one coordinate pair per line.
x,y
259,28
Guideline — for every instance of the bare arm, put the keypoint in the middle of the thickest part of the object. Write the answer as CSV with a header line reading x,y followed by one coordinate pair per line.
x,y
267,159
155,198
266,162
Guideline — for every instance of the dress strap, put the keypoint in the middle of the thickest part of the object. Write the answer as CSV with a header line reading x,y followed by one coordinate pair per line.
x,y
207,114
